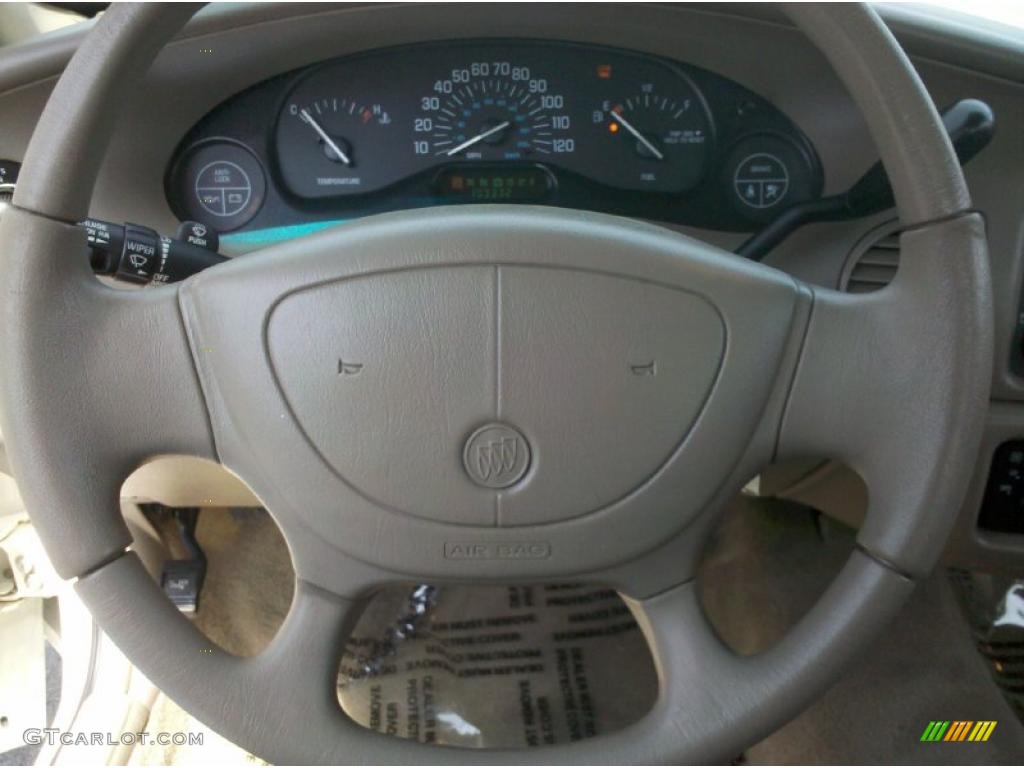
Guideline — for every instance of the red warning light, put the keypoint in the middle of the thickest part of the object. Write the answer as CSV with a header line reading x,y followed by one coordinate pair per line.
x,y
366,115
604,71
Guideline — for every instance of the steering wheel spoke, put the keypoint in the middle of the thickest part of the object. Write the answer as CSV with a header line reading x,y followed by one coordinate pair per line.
x,y
287,693
286,690
888,379
117,388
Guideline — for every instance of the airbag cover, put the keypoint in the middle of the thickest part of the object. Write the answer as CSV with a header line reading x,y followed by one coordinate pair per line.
x,y
390,374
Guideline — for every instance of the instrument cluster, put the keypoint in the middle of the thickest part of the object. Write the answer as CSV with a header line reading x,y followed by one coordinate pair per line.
x,y
492,121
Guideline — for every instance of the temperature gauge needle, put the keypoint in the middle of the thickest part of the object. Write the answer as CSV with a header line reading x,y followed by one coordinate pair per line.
x,y
479,137
323,135
636,134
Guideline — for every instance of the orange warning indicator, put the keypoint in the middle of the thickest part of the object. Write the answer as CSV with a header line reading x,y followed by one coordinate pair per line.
x,y
604,71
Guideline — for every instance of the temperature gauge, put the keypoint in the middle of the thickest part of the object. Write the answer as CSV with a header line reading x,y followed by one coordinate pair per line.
x,y
333,145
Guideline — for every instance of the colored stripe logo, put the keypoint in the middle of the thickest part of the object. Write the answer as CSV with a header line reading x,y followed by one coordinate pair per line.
x,y
958,730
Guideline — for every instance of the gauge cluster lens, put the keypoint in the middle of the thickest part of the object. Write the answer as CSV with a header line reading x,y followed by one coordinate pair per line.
x,y
358,126
455,122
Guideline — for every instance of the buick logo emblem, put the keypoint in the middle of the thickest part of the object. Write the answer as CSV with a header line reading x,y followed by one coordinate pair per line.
x,y
496,456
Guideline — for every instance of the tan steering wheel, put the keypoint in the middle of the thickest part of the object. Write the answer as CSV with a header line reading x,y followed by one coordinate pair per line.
x,y
492,315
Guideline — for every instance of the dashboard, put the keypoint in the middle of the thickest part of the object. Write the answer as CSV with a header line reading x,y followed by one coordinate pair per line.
x,y
462,122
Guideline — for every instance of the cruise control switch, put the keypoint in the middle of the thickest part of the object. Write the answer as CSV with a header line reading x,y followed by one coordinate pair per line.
x,y
136,254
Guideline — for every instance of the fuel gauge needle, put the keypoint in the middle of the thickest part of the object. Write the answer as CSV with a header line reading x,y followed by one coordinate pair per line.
x,y
323,135
639,136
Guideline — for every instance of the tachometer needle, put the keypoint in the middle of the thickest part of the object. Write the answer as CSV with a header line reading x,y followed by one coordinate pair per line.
x,y
479,137
639,136
323,135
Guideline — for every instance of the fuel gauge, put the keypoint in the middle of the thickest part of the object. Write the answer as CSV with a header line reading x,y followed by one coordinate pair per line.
x,y
660,140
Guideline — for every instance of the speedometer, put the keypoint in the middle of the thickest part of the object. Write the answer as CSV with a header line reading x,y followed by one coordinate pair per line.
x,y
492,111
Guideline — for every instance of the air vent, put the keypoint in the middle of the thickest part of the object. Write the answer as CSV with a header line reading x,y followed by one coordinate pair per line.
x,y
873,263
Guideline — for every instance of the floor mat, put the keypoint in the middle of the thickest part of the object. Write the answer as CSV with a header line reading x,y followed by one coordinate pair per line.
x,y
767,570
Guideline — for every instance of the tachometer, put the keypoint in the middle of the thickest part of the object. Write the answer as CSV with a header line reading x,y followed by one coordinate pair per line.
x,y
492,111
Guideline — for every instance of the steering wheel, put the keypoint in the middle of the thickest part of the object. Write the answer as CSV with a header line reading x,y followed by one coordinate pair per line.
x,y
493,394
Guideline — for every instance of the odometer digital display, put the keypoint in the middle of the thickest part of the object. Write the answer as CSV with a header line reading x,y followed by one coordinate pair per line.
x,y
493,184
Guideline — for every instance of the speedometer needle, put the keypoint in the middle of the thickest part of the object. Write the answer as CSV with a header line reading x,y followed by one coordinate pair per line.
x,y
323,135
639,136
479,137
